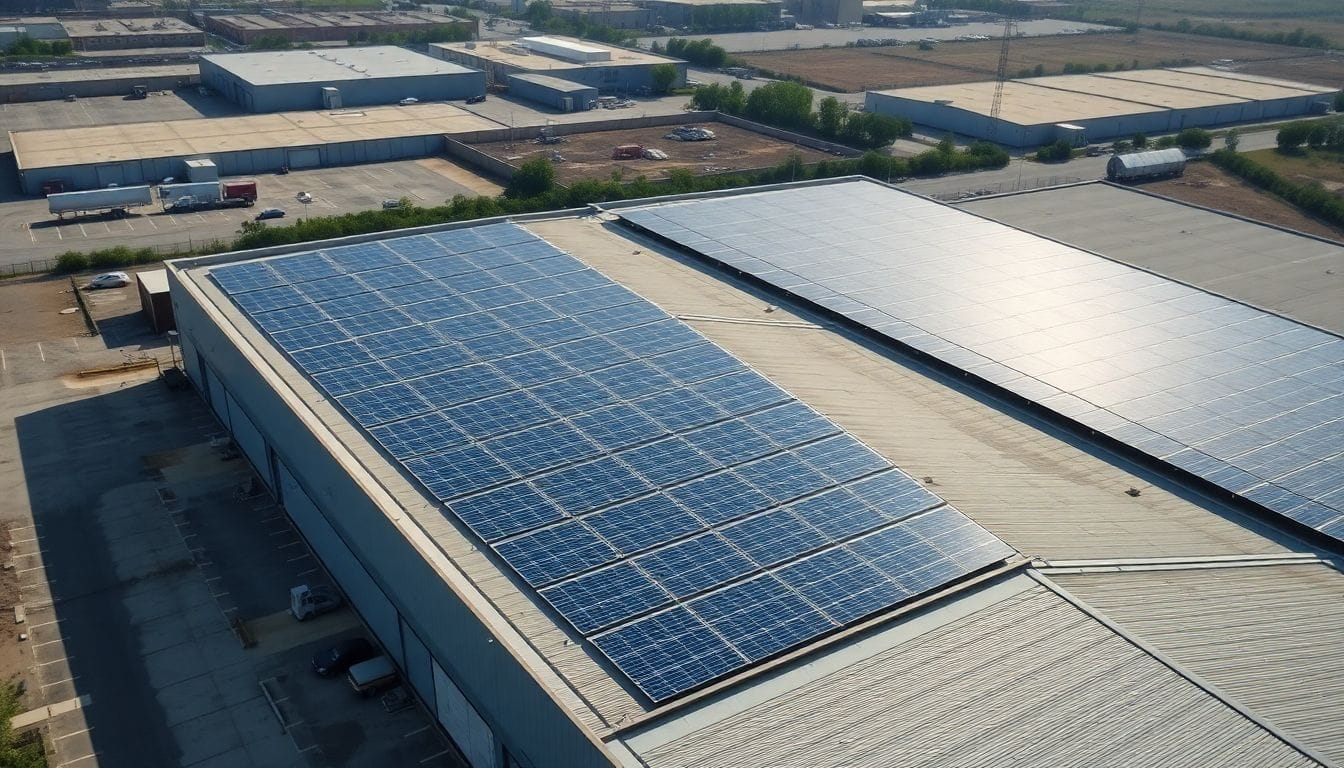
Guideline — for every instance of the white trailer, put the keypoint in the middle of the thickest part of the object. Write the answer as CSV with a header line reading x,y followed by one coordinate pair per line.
x,y
114,200
204,193
1146,165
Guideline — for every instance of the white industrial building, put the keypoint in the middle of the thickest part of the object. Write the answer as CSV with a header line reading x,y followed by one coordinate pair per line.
x,y
1106,105
604,487
608,68
334,78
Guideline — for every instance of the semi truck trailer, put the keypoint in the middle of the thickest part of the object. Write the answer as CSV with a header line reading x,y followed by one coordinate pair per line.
x,y
207,194
116,201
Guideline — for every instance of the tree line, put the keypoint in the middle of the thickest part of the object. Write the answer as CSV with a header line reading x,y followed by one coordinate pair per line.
x,y
787,104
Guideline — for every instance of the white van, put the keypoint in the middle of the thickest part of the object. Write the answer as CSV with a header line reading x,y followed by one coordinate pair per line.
x,y
372,676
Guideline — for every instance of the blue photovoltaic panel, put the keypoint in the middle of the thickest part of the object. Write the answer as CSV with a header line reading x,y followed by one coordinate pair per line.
x,y
1227,392
653,489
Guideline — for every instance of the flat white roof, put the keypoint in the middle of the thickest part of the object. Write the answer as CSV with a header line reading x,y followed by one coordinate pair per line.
x,y
332,65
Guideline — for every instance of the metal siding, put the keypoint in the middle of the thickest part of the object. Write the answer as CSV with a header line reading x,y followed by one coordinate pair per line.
x,y
218,396
417,663
1269,637
341,563
247,437
469,732
1030,680
530,722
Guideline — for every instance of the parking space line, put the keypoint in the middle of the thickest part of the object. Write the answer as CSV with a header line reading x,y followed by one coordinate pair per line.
x,y
31,236
82,231
77,760
56,661
304,556
421,729
15,541
49,642
305,573
151,222
58,682
40,353
43,624
434,757
293,543
74,733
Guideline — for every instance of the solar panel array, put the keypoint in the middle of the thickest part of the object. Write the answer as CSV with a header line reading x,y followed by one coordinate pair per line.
x,y
1245,399
683,513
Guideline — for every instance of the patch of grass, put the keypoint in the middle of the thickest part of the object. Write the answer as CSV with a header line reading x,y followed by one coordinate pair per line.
x,y
1321,165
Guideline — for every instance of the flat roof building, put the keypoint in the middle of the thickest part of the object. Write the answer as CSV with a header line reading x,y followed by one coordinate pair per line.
x,y
553,92
1107,105
121,34
603,509
37,27
17,86
277,81
297,27
711,14
619,15
143,153
608,68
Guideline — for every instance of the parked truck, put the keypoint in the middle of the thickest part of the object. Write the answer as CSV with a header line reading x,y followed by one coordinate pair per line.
x,y
207,194
116,201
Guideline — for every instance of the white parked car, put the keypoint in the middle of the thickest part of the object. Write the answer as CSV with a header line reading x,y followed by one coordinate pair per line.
x,y
304,197
408,101
110,280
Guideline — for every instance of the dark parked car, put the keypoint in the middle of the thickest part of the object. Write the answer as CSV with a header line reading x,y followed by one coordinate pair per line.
x,y
476,99
342,656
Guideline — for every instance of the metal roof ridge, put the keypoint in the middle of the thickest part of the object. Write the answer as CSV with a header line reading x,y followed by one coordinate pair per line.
x,y
1191,563
1178,668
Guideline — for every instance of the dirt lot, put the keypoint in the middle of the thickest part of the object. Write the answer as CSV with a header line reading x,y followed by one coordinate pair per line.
x,y
588,155
30,310
856,69
1207,185
1322,68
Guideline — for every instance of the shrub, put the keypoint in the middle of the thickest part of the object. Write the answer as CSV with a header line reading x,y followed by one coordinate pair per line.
x,y
1059,151
533,178
1293,135
1194,138
72,261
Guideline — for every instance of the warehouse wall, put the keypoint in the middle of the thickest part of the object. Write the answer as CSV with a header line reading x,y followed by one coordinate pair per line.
x,y
580,99
527,722
366,93
92,86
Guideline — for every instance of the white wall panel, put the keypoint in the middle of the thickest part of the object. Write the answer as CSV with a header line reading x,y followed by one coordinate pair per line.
x,y
470,733
249,439
418,664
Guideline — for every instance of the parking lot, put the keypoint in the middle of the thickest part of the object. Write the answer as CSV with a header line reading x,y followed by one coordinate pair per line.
x,y
28,231
152,575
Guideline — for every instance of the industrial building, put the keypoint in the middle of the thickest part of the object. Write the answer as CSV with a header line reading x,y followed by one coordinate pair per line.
x,y
284,81
144,153
125,34
38,28
295,27
841,12
562,95
17,86
610,69
1108,104
743,479
615,15
714,14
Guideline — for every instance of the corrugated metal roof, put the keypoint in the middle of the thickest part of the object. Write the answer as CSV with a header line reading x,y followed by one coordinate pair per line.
x,y
1291,274
1268,637
1029,680
1032,487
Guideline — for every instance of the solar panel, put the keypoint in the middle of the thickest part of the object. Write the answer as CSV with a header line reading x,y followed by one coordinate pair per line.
x,y
657,493
1246,400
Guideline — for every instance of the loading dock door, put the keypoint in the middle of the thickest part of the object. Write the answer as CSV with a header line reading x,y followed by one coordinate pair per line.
x,y
345,568
303,158
459,719
218,397
111,174
247,437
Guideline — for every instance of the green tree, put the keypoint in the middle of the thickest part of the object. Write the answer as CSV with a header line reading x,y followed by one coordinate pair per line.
x,y
538,13
1194,138
1139,141
1059,151
831,114
1232,140
16,751
533,178
783,103
664,75
1339,101
1293,135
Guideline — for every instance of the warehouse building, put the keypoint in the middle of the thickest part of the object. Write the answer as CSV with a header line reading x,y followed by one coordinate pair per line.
x,y
144,153
610,69
284,81
615,15
714,14
562,95
667,509
124,34
17,86
47,29
248,28
1107,105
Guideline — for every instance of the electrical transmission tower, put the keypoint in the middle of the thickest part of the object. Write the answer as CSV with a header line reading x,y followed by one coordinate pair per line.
x,y
1000,77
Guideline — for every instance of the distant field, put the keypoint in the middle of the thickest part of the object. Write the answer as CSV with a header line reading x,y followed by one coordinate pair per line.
x,y
1324,17
1311,165
856,69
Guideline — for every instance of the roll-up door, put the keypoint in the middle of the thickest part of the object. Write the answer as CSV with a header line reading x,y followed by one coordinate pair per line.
x,y
470,733
218,396
418,664
304,158
341,563
249,439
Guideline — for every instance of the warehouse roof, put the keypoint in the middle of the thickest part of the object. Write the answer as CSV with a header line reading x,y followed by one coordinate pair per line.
x,y
1042,492
1012,675
136,141
1218,74
332,65
339,20
1067,98
504,53
158,25
1267,635
30,77
1296,275
554,83
718,2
